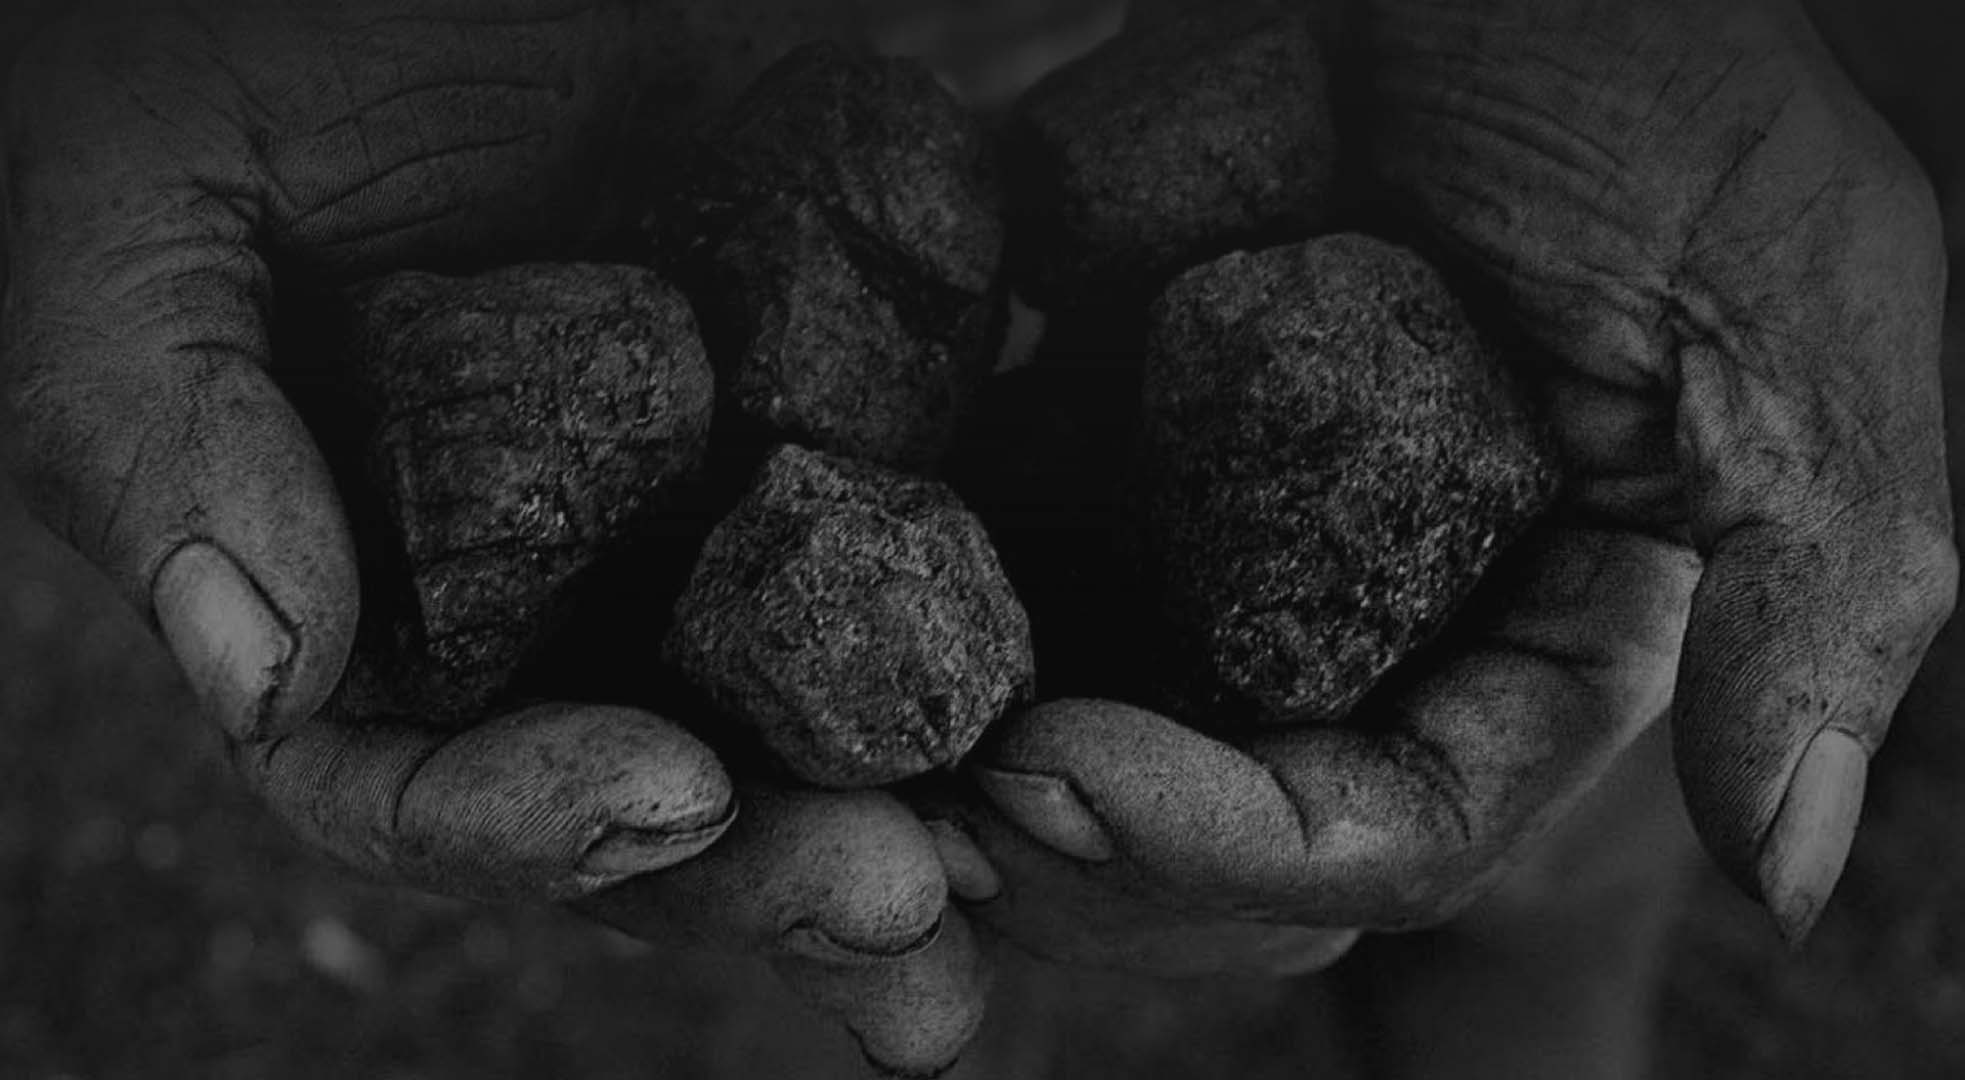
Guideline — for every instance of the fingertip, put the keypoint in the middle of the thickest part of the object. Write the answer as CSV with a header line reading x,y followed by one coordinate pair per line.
x,y
1050,809
620,852
904,1072
235,649
1806,848
862,870
971,875
912,1016
650,774
813,941
560,801
262,647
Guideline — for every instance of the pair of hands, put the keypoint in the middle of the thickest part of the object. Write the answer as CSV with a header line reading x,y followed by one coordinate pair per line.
x,y
1724,273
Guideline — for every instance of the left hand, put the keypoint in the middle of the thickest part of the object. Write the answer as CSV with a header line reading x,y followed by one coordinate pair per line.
x,y
1266,854
1727,276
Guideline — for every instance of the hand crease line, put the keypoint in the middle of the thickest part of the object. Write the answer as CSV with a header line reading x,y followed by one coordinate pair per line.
x,y
435,86
424,158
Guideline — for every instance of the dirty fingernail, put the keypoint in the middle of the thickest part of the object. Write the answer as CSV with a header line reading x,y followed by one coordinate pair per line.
x,y
971,876
1803,855
1047,808
234,648
624,851
888,1070
814,943
903,1072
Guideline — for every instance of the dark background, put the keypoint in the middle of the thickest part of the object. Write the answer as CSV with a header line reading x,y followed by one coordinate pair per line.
x,y
154,923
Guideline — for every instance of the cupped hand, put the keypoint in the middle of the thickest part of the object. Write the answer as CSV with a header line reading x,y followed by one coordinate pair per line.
x,y
1723,276
161,159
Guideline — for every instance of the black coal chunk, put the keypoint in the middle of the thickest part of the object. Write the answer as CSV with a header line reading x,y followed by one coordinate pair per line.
x,y
1331,459
1166,146
856,618
522,424
843,234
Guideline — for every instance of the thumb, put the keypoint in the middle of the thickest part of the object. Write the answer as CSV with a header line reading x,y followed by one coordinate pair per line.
x,y
149,436
156,155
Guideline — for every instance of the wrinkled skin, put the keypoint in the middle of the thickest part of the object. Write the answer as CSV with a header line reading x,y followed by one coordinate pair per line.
x,y
1724,276
160,157
1726,268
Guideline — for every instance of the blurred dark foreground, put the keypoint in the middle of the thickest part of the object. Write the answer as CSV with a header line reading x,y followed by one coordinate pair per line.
x,y
154,923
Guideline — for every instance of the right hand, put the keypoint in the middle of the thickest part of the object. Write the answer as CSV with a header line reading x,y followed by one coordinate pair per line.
x,y
160,158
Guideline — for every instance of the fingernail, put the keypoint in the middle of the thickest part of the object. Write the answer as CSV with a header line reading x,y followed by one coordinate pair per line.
x,y
888,1071
234,648
1047,808
1809,842
624,851
971,876
814,943
901,1072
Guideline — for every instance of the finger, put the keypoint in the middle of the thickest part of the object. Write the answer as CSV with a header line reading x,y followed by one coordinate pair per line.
x,y
1828,579
159,155
1404,817
1050,907
1029,894
553,802
1811,432
912,1015
846,894
1707,211
148,435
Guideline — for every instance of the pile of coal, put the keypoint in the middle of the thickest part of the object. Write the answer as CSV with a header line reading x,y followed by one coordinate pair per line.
x,y
844,231
856,619
522,423
1330,459
1282,478
1168,145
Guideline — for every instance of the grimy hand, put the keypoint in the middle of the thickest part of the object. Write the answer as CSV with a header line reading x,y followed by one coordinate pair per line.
x,y
1725,276
161,158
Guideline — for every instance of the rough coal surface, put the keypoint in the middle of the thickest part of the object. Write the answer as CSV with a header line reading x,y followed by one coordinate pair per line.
x,y
1330,460
523,423
856,618
844,231
1168,145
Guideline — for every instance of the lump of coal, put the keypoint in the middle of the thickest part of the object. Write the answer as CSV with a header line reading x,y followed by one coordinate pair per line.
x,y
1166,146
524,422
846,232
856,618
1330,460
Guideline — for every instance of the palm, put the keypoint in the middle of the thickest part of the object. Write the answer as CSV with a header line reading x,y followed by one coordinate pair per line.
x,y
1723,276
167,160
1734,275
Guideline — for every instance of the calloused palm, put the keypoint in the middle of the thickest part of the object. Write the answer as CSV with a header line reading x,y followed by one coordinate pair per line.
x,y
162,159
1724,276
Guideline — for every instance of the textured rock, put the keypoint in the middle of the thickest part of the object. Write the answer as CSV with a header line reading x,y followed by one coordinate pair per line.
x,y
1166,146
846,231
523,422
1330,460
856,619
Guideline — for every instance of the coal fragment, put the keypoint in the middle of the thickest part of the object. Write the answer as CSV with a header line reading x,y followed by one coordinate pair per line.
x,y
522,424
1166,146
857,620
845,232
1330,460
